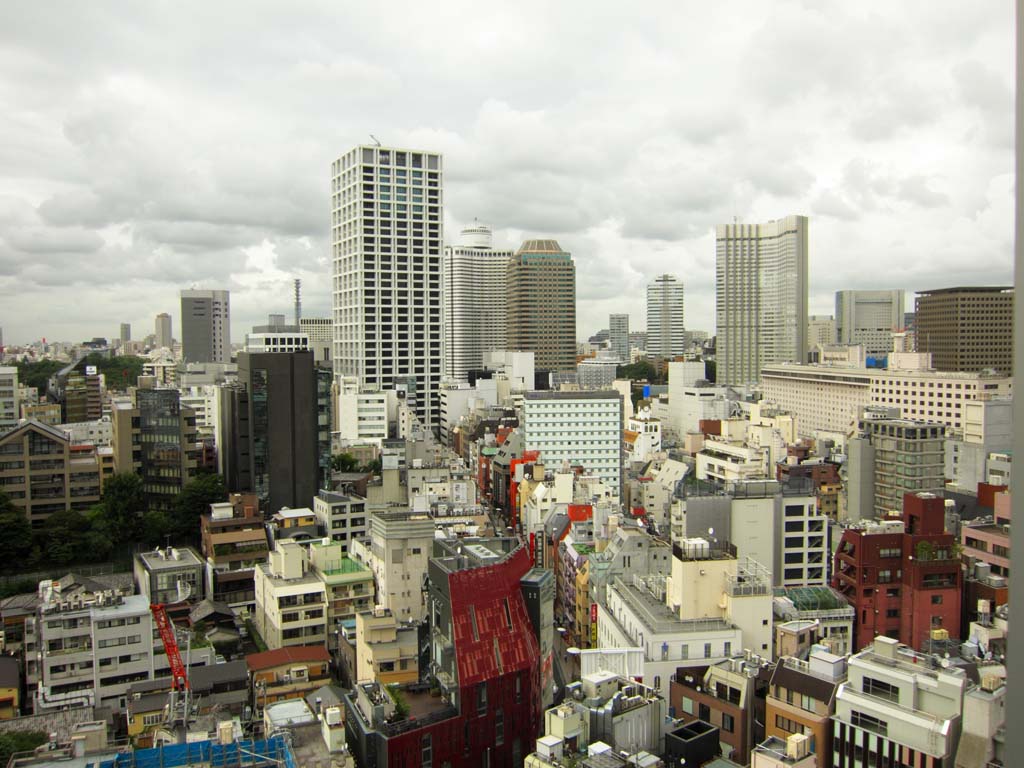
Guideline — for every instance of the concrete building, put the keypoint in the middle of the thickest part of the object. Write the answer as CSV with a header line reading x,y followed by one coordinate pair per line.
x,y
542,304
888,458
387,650
291,600
898,706
206,326
761,297
827,398
348,586
320,333
43,472
901,575
987,541
341,518
801,700
276,336
666,332
163,336
400,545
475,292
170,575
284,674
581,428
966,328
597,373
979,453
387,219
365,415
805,616
641,439
234,541
821,329
792,752
869,318
9,407
45,413
618,337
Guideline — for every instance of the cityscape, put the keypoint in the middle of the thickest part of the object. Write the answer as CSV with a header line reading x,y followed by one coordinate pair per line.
x,y
435,481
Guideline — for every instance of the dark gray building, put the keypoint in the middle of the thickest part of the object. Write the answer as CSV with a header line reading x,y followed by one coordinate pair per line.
x,y
206,326
270,428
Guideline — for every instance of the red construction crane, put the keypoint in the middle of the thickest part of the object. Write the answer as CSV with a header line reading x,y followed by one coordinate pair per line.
x,y
179,675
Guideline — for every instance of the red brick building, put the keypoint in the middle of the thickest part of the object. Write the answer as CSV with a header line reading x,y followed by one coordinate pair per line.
x,y
901,576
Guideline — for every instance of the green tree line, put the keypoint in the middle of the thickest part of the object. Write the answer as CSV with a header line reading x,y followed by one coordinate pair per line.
x,y
121,372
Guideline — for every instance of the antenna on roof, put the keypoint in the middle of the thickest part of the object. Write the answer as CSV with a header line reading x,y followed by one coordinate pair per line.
x,y
375,140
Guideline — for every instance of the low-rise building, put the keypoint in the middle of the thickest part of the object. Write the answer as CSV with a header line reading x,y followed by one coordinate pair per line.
x,y
348,585
234,541
341,517
801,700
291,600
387,652
170,575
287,673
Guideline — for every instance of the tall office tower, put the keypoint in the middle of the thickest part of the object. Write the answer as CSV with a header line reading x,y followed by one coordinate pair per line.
x,y
475,292
163,330
542,305
387,217
665,327
618,338
966,329
869,318
206,326
761,297
821,329
126,332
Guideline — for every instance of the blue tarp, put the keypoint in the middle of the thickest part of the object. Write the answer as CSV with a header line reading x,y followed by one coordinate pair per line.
x,y
243,753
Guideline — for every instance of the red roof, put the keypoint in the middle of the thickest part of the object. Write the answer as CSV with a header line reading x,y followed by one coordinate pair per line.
x,y
580,512
290,655
502,640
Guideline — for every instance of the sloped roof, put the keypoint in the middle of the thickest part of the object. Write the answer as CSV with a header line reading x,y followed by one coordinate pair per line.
x,y
291,655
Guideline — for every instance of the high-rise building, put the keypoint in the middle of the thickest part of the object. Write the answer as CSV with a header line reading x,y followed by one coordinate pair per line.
x,y
206,326
665,324
869,318
475,293
542,304
126,332
966,329
386,234
276,336
163,330
618,337
761,297
821,329
9,407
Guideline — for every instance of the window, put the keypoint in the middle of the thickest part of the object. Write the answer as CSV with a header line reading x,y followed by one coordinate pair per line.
x,y
728,723
499,727
869,723
426,751
707,650
936,599
704,712
687,705
481,698
881,689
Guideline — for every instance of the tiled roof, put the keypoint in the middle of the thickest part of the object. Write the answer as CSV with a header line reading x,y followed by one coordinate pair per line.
x,y
293,654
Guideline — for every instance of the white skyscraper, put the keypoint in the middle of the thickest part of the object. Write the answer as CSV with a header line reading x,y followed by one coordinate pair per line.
x,y
761,297
665,328
869,318
475,298
386,233
206,326
618,337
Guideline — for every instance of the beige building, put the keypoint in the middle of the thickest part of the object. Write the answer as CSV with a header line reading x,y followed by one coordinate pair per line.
x,y
542,304
42,472
869,318
348,585
966,329
386,651
291,600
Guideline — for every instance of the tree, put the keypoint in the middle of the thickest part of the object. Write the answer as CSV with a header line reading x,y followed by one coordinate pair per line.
x,y
344,462
67,537
193,501
640,370
119,513
710,370
16,542
19,741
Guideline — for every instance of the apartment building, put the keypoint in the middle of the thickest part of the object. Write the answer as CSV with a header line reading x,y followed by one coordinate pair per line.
x,y
341,518
897,707
291,600
288,673
234,541
801,699
9,403
365,414
348,584
43,472
387,650
398,551
666,332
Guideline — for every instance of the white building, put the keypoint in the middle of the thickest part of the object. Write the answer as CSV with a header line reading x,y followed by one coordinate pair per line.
x,y
458,400
387,219
618,337
398,550
869,318
320,332
581,428
276,338
98,432
475,290
365,415
206,326
642,437
897,705
761,299
205,401
665,317
597,373
9,409
291,600
341,518
821,329
688,406
828,399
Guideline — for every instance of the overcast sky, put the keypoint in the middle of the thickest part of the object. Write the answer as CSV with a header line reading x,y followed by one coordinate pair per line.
x,y
147,147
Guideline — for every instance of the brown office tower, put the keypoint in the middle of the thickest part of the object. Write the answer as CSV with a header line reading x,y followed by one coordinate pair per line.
x,y
542,305
966,329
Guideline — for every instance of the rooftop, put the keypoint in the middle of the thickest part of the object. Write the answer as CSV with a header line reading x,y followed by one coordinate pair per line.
x,y
658,617
296,654
813,598
170,558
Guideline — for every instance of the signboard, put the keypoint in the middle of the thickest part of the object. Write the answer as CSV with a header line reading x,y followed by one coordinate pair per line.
x,y
593,625
90,370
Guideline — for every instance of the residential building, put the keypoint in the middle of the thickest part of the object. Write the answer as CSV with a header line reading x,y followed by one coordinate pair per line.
x,y
400,545
666,333
966,328
890,457
618,337
987,540
475,292
291,600
901,575
271,429
792,752
821,330
42,471
581,428
79,390
162,333
9,406
45,413
805,616
761,299
641,439
348,585
387,650
827,398
983,734
288,673
801,699
10,688
869,318
155,437
206,326
341,518
541,313
170,575
688,406
387,219
979,453
897,706
365,415
234,541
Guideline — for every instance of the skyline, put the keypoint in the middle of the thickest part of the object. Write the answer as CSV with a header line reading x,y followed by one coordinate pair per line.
x,y
167,150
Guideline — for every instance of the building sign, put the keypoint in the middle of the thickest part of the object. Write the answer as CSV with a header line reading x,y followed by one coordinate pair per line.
x,y
593,625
